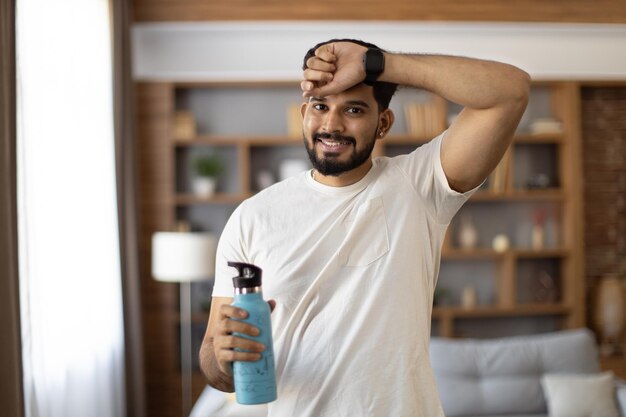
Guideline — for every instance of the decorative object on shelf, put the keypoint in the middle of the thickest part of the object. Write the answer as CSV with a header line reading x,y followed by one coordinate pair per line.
x,y
469,297
537,240
546,126
182,226
184,257
544,289
294,121
422,119
290,167
468,234
500,243
609,314
552,234
538,181
206,169
264,178
184,125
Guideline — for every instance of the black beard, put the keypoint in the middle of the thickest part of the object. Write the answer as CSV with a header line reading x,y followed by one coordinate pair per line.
x,y
328,165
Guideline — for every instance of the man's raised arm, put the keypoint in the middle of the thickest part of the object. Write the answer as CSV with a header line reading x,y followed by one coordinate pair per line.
x,y
493,95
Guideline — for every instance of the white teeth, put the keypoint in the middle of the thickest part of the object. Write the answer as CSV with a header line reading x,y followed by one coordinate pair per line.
x,y
333,143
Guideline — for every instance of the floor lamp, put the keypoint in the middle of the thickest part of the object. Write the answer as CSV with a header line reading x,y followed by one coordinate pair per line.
x,y
184,257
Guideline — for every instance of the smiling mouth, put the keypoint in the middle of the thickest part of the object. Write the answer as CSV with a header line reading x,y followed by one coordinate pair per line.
x,y
333,141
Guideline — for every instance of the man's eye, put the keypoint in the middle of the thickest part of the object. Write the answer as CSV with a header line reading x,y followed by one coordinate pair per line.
x,y
354,110
319,107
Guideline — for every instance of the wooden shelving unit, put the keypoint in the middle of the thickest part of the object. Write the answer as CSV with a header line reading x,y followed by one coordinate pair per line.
x,y
166,199
515,266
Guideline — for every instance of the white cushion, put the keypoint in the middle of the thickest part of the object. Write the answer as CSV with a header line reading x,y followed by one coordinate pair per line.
x,y
573,395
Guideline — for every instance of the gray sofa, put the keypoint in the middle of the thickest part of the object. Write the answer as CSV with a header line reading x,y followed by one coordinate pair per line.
x,y
479,378
502,377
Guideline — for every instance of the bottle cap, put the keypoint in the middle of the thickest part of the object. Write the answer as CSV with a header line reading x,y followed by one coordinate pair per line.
x,y
249,275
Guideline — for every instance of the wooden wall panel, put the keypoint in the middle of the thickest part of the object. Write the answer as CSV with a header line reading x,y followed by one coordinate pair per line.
x,y
604,145
603,110
589,11
159,302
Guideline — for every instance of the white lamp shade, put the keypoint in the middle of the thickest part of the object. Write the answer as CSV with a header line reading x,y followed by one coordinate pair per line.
x,y
183,256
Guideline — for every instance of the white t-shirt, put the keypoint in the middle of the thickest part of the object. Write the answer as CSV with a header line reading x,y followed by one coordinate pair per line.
x,y
352,270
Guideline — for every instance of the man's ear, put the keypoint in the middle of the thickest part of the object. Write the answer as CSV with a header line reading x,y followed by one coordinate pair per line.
x,y
385,122
303,109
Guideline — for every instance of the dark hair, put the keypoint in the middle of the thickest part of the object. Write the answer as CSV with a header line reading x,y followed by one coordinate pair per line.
x,y
383,91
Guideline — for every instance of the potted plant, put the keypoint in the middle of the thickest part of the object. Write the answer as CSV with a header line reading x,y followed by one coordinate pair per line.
x,y
206,169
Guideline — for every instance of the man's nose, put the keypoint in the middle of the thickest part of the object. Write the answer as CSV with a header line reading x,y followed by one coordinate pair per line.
x,y
333,122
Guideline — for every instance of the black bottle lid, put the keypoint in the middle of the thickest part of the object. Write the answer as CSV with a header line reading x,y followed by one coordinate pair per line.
x,y
249,275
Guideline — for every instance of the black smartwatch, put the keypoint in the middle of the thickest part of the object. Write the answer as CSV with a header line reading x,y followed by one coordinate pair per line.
x,y
374,64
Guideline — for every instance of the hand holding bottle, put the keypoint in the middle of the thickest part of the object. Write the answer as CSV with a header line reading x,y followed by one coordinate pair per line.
x,y
225,343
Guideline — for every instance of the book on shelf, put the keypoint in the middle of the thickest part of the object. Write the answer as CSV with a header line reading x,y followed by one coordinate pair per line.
x,y
500,176
294,121
184,125
423,119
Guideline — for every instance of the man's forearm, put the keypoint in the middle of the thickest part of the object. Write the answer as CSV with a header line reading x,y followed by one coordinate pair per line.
x,y
472,83
208,363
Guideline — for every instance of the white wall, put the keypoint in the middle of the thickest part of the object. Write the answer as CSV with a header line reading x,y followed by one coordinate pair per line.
x,y
274,50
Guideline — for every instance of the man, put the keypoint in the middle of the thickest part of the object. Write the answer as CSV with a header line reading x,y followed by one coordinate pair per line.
x,y
351,249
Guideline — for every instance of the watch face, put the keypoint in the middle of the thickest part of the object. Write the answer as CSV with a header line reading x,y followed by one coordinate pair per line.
x,y
374,65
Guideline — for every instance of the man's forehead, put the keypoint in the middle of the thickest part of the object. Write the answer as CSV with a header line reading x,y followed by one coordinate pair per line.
x,y
355,95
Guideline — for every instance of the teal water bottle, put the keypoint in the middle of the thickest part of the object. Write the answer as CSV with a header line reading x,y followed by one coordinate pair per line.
x,y
255,382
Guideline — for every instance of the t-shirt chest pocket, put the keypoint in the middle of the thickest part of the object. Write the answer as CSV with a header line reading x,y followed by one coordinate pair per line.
x,y
366,237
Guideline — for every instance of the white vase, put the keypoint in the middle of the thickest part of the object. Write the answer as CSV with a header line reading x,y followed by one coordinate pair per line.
x,y
290,167
468,235
610,313
537,237
264,179
469,297
204,186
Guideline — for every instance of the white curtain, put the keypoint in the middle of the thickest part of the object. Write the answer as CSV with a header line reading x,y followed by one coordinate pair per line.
x,y
70,289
